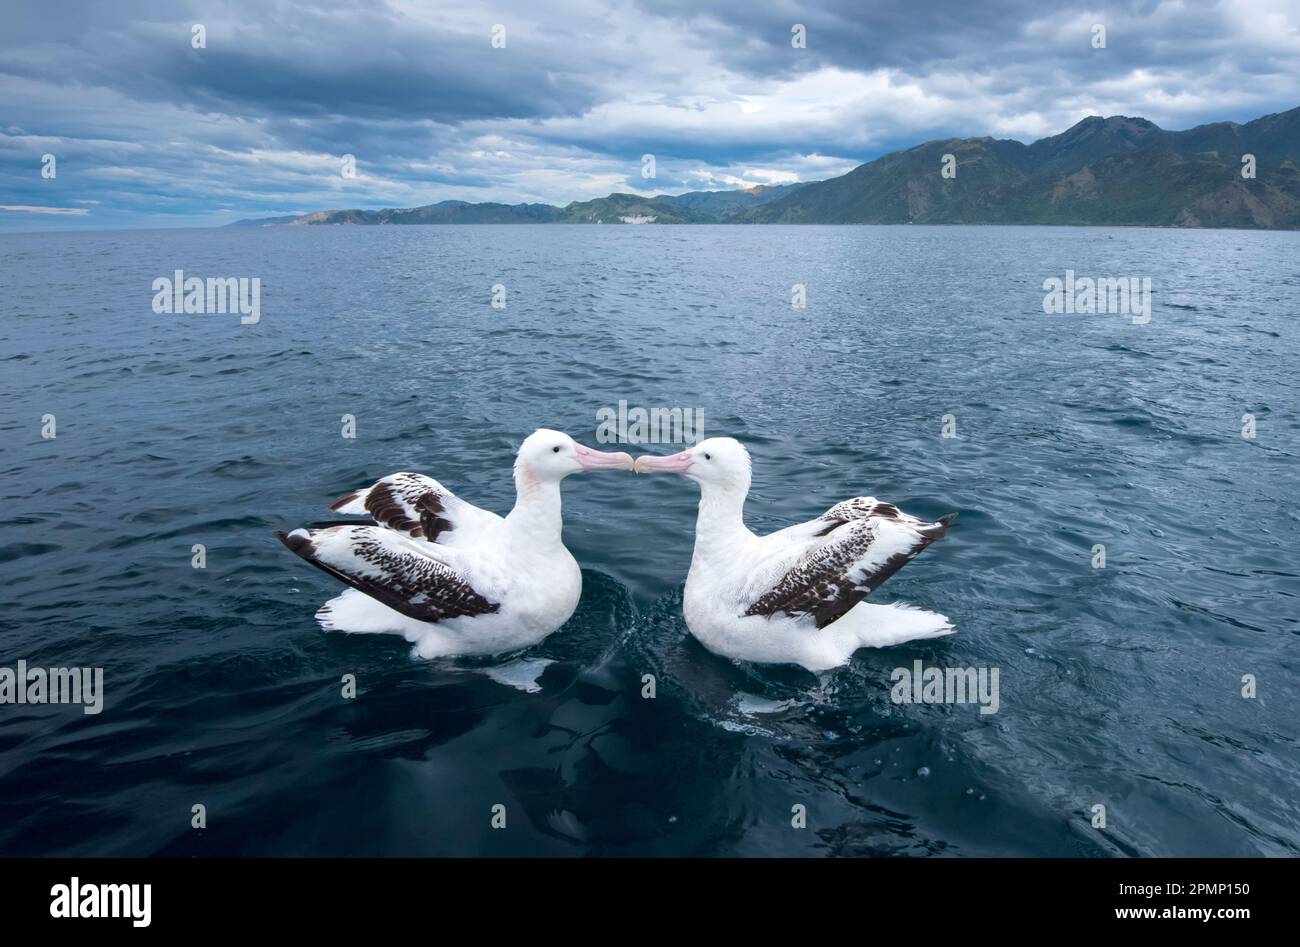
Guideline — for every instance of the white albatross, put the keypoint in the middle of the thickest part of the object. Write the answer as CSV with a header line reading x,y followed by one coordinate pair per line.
x,y
450,577
794,596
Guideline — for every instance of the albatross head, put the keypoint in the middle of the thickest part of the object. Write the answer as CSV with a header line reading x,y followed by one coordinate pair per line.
x,y
547,455
718,462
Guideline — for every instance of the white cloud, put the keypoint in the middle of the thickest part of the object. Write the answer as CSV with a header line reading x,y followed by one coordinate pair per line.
x,y
31,209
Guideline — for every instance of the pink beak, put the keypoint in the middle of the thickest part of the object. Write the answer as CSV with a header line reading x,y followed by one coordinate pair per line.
x,y
673,463
603,460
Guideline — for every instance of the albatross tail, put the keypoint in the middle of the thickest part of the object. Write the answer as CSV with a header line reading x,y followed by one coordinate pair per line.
x,y
356,612
879,626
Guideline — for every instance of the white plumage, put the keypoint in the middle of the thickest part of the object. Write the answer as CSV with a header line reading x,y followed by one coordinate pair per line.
x,y
452,578
795,596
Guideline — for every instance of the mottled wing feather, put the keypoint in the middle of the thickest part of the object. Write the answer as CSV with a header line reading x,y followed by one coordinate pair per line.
x,y
861,508
391,570
863,543
416,506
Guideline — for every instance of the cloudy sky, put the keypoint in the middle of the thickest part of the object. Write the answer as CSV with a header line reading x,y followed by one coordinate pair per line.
x,y
148,131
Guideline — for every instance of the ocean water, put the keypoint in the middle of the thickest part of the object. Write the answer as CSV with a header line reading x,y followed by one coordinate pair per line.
x,y
1120,686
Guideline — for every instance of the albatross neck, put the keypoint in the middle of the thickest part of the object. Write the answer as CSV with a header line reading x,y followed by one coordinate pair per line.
x,y
536,513
720,525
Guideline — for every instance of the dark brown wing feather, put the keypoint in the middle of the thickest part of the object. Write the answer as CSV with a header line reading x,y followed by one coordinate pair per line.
x,y
860,553
409,582
410,503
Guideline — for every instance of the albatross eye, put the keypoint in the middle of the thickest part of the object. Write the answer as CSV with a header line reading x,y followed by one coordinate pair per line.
x,y
708,456
555,449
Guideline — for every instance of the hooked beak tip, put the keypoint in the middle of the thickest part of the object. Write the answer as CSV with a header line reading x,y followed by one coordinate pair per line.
x,y
652,463
590,459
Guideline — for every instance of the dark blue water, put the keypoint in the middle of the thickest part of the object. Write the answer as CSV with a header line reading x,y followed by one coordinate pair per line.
x,y
1120,686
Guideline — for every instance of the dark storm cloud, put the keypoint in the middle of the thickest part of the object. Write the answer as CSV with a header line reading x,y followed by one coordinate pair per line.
x,y
986,36
148,129
896,33
294,60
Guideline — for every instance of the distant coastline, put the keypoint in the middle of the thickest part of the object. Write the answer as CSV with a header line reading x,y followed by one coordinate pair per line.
x,y
1116,171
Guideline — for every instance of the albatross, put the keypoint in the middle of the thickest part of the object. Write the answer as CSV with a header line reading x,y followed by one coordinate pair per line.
x,y
795,596
452,578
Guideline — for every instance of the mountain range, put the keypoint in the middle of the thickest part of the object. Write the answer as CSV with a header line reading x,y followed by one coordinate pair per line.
x,y
1101,171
